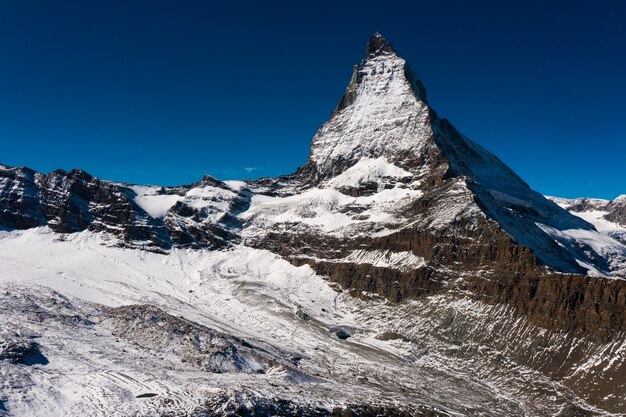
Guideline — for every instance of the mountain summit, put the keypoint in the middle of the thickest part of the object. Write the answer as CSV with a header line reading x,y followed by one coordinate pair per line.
x,y
378,45
384,115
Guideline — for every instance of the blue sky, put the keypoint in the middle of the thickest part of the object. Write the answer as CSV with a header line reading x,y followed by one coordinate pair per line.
x,y
163,92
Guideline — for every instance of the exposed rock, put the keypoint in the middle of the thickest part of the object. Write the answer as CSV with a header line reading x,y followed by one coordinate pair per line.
x,y
248,404
74,201
17,349
617,211
207,349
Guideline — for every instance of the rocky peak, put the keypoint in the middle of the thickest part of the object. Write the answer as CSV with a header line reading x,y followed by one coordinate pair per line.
x,y
384,117
378,45
617,210
621,200
383,113
209,181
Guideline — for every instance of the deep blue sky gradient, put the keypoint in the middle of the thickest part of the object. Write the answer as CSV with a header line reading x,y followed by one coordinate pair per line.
x,y
163,92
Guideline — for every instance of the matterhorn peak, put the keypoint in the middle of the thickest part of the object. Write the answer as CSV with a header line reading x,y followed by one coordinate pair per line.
x,y
383,113
383,119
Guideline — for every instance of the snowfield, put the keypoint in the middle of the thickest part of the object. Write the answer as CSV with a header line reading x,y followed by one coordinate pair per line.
x,y
313,343
608,240
328,210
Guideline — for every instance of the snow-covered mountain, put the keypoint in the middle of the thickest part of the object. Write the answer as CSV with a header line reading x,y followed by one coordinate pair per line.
x,y
594,209
609,218
403,270
202,214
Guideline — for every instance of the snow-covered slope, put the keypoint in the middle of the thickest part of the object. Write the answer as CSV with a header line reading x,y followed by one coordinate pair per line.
x,y
605,214
203,331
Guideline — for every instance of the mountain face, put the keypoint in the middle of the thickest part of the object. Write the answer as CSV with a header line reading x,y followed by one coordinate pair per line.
x,y
401,248
609,218
610,210
200,215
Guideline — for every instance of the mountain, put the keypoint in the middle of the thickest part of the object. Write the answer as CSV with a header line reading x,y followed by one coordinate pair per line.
x,y
403,270
609,218
200,215
613,211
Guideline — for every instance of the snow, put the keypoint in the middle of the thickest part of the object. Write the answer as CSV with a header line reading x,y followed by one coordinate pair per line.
x,y
458,203
403,261
114,276
596,217
215,201
325,209
386,119
503,197
367,170
236,185
603,244
621,200
253,295
152,201
218,200
594,203
609,241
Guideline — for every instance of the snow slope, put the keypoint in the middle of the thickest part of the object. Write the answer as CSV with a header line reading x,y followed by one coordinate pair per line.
x,y
54,286
153,201
366,171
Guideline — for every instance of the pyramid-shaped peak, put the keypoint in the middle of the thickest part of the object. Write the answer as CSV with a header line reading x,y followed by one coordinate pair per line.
x,y
377,46
383,113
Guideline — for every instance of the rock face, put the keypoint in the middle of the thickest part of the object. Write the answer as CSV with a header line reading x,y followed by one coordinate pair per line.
x,y
200,215
74,201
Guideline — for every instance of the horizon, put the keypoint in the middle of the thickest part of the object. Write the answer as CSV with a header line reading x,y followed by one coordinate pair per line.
x,y
135,85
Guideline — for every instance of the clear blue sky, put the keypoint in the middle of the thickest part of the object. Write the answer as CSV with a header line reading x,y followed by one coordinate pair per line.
x,y
163,92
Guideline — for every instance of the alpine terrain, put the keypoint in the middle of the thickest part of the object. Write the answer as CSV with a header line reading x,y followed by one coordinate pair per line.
x,y
402,271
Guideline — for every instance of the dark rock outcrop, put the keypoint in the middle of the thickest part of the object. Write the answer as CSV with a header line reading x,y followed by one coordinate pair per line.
x,y
617,211
17,349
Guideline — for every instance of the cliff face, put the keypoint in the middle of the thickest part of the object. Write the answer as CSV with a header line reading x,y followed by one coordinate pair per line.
x,y
74,201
